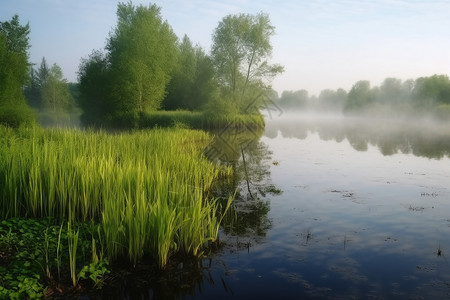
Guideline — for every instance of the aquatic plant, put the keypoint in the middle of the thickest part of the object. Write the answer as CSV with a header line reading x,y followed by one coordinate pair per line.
x,y
201,120
147,189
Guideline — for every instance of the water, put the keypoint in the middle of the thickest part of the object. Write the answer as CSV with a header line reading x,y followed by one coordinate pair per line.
x,y
334,209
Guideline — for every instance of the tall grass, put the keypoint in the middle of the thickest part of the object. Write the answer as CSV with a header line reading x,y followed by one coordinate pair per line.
x,y
201,120
147,189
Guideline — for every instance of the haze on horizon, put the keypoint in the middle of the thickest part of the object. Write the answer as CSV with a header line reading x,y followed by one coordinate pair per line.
x,y
322,44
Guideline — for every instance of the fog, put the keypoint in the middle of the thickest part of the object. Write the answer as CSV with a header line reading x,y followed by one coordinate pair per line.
x,y
423,98
48,118
420,136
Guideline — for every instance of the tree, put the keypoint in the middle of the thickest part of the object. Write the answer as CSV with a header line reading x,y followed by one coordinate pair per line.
x,y
14,68
193,81
332,100
55,91
142,54
37,81
240,52
16,35
359,96
42,73
407,89
391,91
294,100
429,91
94,89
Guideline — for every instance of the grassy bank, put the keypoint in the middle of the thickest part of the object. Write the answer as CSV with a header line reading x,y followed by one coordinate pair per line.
x,y
147,191
200,120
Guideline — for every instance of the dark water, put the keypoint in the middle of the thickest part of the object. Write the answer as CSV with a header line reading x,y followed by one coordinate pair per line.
x,y
329,208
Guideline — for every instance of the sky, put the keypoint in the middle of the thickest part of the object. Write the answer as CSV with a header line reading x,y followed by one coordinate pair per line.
x,y
321,44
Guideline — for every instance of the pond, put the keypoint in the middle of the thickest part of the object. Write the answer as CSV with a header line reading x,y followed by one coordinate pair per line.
x,y
329,207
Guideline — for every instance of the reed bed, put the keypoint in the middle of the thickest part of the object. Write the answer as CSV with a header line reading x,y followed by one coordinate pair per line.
x,y
147,189
201,120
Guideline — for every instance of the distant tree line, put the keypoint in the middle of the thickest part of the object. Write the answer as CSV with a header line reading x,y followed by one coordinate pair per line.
x,y
393,97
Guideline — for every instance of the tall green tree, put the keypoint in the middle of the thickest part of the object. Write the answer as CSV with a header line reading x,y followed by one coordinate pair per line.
x,y
241,51
94,89
193,81
14,68
37,81
142,54
55,91
42,73
17,36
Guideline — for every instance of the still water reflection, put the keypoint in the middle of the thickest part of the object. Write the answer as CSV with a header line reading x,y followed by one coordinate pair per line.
x,y
364,211
333,208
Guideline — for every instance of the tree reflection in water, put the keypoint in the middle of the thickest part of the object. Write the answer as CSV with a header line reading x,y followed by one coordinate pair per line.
x,y
246,222
178,280
389,136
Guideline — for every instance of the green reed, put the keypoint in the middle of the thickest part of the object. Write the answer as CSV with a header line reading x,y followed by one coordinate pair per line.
x,y
201,120
147,189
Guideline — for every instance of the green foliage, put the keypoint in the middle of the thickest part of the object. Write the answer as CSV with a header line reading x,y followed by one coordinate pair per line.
x,y
16,116
21,240
13,73
48,92
142,54
131,77
96,271
55,91
359,96
33,250
140,186
193,82
94,89
38,79
240,52
17,36
201,120
72,240
429,91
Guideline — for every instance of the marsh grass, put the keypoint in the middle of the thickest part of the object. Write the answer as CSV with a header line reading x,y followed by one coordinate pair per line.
x,y
201,120
147,189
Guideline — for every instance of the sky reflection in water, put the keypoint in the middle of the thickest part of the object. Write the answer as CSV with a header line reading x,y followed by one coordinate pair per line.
x,y
356,217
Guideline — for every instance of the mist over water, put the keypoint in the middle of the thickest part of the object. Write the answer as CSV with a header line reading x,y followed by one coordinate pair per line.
x,y
418,136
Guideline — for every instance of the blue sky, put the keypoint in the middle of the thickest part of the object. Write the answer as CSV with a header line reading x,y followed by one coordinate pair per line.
x,y
322,44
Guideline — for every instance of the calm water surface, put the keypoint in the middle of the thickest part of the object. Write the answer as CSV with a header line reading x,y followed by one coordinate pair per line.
x,y
333,209
355,211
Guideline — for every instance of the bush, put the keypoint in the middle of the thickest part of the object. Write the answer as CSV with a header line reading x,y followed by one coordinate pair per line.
x,y
16,116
